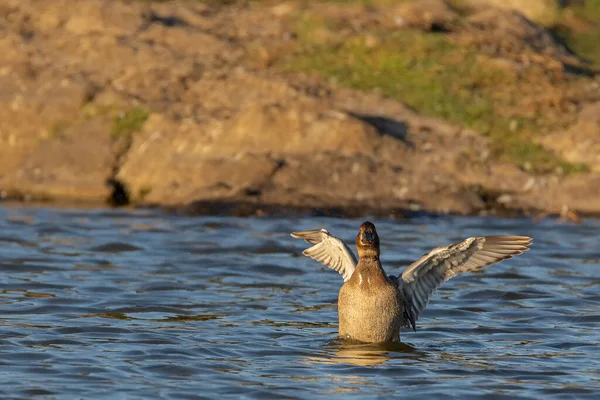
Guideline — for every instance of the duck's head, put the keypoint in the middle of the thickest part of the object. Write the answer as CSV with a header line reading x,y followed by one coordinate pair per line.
x,y
367,240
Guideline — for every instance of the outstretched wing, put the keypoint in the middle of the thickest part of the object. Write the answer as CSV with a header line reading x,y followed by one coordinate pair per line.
x,y
329,250
423,277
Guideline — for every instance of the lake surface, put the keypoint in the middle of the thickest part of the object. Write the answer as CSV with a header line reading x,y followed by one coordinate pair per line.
x,y
140,304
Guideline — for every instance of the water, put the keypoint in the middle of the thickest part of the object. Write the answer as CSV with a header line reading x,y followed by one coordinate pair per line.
x,y
112,304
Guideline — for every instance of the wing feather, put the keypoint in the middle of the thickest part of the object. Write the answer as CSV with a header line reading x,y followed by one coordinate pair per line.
x,y
329,250
423,277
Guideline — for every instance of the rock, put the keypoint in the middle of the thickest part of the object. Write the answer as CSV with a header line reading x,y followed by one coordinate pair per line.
x,y
222,95
92,16
71,164
552,197
332,180
30,111
227,123
504,199
542,11
183,170
296,129
295,155
512,33
581,142
329,176
182,40
424,14
284,8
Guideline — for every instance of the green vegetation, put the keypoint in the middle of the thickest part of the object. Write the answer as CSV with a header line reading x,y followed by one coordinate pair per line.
x,y
90,110
579,27
127,123
422,77
143,192
439,76
533,156
124,123
59,129
210,2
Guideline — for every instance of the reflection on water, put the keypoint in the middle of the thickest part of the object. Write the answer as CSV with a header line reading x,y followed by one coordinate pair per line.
x,y
143,305
364,354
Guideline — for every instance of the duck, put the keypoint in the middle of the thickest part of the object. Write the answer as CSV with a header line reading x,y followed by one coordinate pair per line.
x,y
373,307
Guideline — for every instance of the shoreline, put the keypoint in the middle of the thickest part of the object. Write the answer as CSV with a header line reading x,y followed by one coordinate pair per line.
x,y
244,209
205,108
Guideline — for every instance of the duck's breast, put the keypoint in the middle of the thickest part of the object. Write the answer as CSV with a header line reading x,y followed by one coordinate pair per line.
x,y
369,312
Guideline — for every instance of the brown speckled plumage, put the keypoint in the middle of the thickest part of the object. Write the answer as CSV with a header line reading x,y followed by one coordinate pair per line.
x,y
372,306
369,307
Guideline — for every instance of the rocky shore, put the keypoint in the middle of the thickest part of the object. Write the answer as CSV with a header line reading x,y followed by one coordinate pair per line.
x,y
202,106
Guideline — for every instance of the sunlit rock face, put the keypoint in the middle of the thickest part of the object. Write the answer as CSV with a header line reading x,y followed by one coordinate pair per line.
x,y
178,102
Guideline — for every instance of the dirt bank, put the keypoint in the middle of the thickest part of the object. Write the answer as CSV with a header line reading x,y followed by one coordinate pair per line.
x,y
280,105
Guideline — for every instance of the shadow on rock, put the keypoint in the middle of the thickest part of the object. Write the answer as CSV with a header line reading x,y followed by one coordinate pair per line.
x,y
386,126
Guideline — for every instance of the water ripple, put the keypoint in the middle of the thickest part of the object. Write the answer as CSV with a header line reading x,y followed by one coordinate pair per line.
x,y
137,304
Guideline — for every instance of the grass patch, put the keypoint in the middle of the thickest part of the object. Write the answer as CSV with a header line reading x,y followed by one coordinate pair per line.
x,y
421,78
59,129
143,192
128,122
214,3
534,157
440,77
579,27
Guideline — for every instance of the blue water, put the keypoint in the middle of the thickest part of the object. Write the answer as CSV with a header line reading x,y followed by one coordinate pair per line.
x,y
140,304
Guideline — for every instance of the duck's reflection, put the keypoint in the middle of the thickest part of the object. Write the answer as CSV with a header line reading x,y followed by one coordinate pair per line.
x,y
340,351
